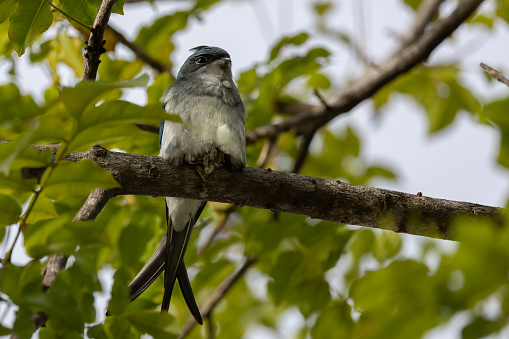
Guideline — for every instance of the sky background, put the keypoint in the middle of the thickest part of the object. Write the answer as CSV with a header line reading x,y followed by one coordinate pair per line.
x,y
458,163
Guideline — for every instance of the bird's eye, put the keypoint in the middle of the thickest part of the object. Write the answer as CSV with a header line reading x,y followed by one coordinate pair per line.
x,y
201,60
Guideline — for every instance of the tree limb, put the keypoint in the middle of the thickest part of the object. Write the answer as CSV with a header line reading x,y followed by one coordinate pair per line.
x,y
287,192
371,81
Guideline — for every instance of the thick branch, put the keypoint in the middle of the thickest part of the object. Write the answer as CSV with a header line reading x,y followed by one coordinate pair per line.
x,y
288,192
374,78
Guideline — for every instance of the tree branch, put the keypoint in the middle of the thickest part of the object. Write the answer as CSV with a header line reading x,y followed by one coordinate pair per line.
x,y
287,192
495,74
219,294
94,47
371,81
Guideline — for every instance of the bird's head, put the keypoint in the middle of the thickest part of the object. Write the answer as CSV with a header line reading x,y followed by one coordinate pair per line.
x,y
207,60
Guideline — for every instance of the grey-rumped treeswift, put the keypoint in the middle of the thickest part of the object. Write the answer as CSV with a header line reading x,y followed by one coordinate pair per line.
x,y
206,98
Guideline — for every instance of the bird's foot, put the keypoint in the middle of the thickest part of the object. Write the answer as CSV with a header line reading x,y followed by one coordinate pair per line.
x,y
201,172
207,163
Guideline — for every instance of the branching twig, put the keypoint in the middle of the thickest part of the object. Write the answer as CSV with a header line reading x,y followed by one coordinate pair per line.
x,y
218,294
140,53
217,230
495,74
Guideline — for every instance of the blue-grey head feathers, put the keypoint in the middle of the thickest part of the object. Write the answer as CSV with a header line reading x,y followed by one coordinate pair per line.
x,y
201,57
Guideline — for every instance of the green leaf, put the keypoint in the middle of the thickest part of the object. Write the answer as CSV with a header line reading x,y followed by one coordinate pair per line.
x,y
131,244
36,236
414,4
31,19
317,80
7,7
114,120
46,128
438,89
81,11
4,330
322,8
157,324
481,327
77,179
97,332
155,39
10,210
295,40
123,111
496,112
155,90
120,292
117,8
61,308
295,281
86,93
335,319
16,106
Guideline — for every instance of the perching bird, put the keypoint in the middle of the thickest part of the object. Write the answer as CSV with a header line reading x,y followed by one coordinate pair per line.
x,y
204,96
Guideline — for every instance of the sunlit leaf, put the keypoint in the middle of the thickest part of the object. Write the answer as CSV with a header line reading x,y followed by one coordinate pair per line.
x,y
77,179
156,324
78,98
30,19
7,7
10,210
80,12
295,40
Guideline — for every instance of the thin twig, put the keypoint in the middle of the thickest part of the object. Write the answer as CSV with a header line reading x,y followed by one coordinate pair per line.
x,y
427,10
95,43
210,327
303,153
265,153
218,295
217,230
140,53
495,74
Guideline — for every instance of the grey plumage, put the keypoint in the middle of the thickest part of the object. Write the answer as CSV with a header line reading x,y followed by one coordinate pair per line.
x,y
204,96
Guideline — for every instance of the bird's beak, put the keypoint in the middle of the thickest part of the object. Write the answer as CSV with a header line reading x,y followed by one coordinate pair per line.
x,y
227,60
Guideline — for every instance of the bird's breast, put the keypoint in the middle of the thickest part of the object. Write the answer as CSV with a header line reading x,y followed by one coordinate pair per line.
x,y
214,122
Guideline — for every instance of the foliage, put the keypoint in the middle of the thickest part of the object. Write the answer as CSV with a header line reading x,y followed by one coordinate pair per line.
x,y
316,267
